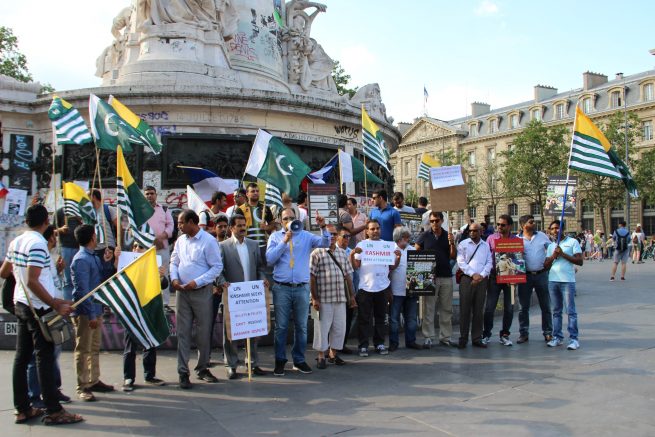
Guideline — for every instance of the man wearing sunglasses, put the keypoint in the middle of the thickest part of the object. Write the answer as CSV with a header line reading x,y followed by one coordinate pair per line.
x,y
504,227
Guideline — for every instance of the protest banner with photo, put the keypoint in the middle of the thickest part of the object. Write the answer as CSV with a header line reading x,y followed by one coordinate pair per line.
x,y
448,191
510,264
413,222
246,312
420,272
378,252
15,202
555,196
322,197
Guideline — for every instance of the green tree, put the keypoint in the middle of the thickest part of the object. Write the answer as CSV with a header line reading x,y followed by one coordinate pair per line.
x,y
537,153
601,191
12,62
341,79
644,174
487,186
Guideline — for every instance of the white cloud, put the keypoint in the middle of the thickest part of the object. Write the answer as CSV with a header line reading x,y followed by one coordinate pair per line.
x,y
486,7
359,62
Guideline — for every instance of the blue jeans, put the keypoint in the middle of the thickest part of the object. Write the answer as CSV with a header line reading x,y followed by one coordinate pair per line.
x,y
563,294
33,387
540,285
408,306
67,253
288,300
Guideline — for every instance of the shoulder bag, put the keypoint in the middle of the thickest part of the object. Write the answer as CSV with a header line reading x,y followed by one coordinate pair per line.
x,y
346,284
59,332
459,273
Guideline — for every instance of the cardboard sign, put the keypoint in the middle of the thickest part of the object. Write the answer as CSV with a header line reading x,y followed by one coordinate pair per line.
x,y
510,264
451,198
322,197
420,272
246,310
446,176
378,252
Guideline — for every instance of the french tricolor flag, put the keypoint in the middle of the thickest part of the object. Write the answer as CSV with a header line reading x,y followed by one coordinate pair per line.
x,y
3,190
206,183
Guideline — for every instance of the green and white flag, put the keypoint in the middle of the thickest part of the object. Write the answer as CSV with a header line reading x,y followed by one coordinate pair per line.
x,y
69,124
271,160
273,196
109,129
133,203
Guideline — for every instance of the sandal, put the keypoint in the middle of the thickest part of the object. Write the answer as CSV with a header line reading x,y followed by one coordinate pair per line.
x,y
28,415
61,417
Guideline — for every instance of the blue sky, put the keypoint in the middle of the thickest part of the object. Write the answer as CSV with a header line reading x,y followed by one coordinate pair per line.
x,y
463,51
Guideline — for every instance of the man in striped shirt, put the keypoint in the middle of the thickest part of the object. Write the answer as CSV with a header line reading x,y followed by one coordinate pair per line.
x,y
259,218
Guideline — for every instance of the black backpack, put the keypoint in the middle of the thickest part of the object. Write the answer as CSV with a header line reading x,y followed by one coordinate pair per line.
x,y
621,242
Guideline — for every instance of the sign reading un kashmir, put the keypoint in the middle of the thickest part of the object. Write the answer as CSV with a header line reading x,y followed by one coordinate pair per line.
x,y
246,310
134,294
378,252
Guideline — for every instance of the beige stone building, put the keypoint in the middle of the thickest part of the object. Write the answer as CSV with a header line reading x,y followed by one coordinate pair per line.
x,y
480,137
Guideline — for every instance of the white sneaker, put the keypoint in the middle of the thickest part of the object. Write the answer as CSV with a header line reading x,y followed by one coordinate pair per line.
x,y
573,345
505,341
363,352
381,350
556,341
427,343
485,340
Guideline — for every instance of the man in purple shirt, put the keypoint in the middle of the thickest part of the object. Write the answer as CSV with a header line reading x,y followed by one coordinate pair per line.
x,y
161,224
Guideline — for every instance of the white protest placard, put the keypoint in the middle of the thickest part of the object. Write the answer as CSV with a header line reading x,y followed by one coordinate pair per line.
x,y
127,257
15,202
448,176
247,310
378,252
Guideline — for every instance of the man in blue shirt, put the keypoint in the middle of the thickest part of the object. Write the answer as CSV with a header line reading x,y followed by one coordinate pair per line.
x,y
388,217
288,253
87,272
561,259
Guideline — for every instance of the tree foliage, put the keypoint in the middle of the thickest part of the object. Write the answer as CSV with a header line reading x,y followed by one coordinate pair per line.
x,y
342,79
601,191
12,62
488,186
537,153
644,174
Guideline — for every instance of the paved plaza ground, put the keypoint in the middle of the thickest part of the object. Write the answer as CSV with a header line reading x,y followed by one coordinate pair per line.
x,y
605,388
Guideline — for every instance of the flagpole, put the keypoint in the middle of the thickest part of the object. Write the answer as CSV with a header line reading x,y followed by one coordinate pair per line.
x,y
365,184
95,290
118,209
104,220
566,186
340,175
54,183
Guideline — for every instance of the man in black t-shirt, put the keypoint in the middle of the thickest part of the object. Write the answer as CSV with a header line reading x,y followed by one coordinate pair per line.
x,y
441,241
69,247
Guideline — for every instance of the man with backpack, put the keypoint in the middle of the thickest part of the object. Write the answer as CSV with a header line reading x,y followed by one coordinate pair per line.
x,y
622,249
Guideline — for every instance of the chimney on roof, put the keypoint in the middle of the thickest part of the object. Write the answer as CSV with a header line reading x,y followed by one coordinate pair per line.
x,y
619,76
478,108
543,92
592,80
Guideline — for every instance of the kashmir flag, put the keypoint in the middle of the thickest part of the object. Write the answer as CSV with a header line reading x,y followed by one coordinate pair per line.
x,y
134,294
591,152
108,128
69,124
133,203
271,160
272,196
148,137
78,204
427,162
373,141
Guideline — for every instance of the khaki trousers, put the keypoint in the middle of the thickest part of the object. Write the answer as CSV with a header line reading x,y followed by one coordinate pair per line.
x,y
443,299
87,352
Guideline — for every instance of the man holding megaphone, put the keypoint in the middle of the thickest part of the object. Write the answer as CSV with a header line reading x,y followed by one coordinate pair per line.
x,y
288,252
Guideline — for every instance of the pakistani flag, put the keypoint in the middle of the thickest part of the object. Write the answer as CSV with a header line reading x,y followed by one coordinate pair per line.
x,y
591,152
271,160
427,162
134,294
69,124
133,203
109,129
78,204
147,133
373,141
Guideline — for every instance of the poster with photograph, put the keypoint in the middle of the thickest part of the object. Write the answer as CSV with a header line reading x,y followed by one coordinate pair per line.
x,y
322,197
15,202
420,272
510,264
413,222
555,196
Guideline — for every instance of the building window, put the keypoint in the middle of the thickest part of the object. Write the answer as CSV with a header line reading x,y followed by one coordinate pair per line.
x,y
648,130
493,126
615,99
587,215
648,222
473,130
513,121
617,215
535,114
491,211
587,207
471,158
491,155
473,212
535,209
406,168
408,186
559,111
513,209
649,92
586,105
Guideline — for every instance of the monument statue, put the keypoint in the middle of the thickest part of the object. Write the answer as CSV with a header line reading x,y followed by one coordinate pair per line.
x,y
369,95
113,55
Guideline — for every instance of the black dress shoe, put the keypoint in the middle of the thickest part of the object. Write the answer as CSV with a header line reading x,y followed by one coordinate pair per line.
x,y
393,347
415,346
447,343
207,376
232,373
185,384
259,371
479,344
462,343
279,368
101,387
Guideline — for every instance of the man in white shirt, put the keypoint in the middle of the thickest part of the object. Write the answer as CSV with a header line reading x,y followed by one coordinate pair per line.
x,y
474,259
